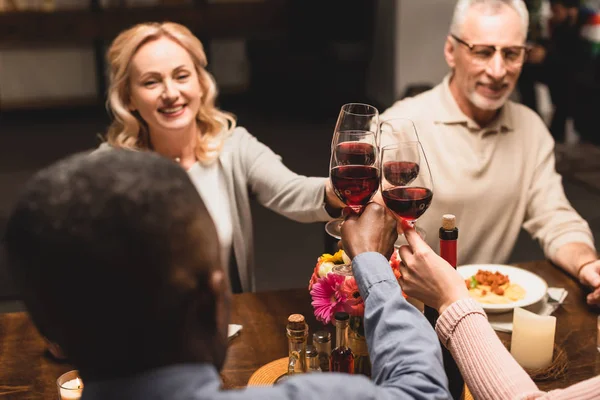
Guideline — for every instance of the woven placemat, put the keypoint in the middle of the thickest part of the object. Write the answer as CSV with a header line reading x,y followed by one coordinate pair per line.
x,y
268,374
467,395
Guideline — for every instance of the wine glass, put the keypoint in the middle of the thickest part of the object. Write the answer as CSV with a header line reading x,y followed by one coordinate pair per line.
x,y
353,171
353,117
357,117
406,182
397,130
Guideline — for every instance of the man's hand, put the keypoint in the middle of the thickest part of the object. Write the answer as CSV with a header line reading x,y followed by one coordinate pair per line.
x,y
373,230
377,198
428,277
571,257
590,276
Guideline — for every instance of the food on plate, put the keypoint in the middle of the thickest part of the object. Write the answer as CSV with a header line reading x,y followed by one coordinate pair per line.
x,y
493,288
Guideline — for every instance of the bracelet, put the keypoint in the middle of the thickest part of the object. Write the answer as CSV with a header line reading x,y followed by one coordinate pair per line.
x,y
585,264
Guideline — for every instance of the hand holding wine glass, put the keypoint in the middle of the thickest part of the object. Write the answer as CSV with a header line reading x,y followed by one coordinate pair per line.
x,y
374,230
429,277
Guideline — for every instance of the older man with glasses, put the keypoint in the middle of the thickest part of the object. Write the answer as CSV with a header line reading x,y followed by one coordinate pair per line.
x,y
492,160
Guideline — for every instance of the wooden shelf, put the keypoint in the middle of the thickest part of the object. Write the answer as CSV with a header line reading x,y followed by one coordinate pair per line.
x,y
214,20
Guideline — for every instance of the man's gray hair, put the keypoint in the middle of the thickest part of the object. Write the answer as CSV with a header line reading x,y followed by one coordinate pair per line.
x,y
463,6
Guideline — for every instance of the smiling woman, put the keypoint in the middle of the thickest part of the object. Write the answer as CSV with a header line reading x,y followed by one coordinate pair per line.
x,y
162,99
155,68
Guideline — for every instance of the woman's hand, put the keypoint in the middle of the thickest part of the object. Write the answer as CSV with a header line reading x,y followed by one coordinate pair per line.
x,y
428,277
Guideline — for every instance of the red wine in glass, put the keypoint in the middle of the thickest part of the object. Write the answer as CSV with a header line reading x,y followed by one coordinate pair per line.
x,y
355,153
400,173
355,184
408,203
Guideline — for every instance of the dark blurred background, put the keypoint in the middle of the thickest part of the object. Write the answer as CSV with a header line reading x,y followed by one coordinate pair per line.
x,y
283,67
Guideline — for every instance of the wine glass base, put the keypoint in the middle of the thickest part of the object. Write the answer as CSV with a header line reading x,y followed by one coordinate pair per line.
x,y
334,228
401,241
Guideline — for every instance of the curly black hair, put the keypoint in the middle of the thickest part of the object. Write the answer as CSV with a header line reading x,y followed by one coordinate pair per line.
x,y
108,250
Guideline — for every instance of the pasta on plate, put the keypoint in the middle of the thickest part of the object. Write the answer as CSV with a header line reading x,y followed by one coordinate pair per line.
x,y
494,288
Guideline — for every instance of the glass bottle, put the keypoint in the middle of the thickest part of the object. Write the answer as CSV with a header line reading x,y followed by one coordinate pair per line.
x,y
312,359
342,359
297,333
322,343
448,235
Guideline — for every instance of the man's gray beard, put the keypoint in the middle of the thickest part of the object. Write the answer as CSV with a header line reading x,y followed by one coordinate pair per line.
x,y
485,104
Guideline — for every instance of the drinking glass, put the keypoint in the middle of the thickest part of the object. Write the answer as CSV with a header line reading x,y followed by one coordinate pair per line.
x,y
70,386
353,171
394,131
357,117
406,182
353,117
397,130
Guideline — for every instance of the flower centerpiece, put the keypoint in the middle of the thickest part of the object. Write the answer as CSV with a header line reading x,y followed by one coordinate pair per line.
x,y
333,288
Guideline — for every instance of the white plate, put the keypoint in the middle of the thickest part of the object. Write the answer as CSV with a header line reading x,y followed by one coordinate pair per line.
x,y
535,287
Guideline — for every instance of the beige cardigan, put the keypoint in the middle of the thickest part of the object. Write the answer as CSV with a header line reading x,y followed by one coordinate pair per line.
x,y
253,169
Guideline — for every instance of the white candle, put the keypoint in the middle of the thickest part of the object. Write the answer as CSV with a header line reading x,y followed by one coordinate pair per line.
x,y
532,342
71,390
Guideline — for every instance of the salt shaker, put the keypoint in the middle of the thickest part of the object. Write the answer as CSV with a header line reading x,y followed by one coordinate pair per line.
x,y
322,343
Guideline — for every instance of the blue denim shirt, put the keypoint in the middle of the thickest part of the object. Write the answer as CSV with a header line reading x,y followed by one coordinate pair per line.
x,y
405,353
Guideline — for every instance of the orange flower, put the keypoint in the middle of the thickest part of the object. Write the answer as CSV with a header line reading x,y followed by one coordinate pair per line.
x,y
322,269
395,261
354,300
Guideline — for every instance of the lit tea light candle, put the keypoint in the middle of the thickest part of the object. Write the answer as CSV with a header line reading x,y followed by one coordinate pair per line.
x,y
532,342
70,386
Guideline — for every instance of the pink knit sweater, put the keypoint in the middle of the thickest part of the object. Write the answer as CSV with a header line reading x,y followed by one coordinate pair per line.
x,y
489,370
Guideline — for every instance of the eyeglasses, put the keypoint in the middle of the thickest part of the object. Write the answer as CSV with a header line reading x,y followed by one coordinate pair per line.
x,y
513,56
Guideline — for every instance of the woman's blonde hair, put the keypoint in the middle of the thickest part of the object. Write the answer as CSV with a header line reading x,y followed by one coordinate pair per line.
x,y
128,129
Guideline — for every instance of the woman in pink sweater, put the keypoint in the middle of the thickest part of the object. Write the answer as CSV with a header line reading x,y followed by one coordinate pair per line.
x,y
487,367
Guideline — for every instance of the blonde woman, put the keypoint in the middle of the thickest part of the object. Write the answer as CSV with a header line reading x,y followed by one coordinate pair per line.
x,y
162,99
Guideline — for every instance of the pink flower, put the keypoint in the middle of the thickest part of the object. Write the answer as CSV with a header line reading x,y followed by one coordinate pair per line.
x,y
328,297
355,301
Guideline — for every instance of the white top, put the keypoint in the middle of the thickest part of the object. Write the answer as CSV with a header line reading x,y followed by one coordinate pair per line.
x,y
210,183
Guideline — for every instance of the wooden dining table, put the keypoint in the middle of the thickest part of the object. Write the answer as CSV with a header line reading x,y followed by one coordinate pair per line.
x,y
28,372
